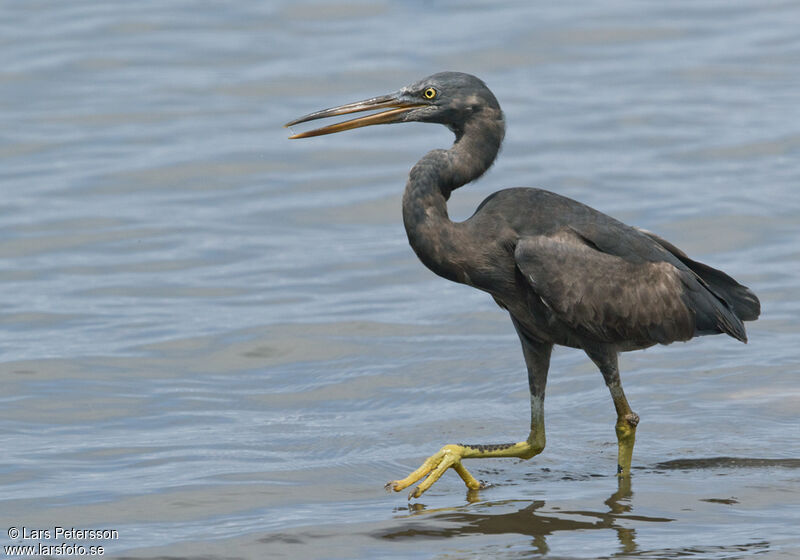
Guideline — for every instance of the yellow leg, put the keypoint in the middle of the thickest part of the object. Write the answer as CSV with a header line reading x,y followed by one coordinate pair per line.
x,y
606,360
627,420
450,456
537,361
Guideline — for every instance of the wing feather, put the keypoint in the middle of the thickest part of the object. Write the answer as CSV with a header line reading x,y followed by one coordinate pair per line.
x,y
606,296
741,299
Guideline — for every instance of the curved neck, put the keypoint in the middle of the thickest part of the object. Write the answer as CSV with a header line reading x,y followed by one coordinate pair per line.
x,y
431,234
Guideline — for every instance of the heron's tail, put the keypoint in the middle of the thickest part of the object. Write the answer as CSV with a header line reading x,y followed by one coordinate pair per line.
x,y
739,299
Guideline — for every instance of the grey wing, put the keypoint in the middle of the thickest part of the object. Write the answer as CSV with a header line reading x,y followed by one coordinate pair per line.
x,y
613,299
744,302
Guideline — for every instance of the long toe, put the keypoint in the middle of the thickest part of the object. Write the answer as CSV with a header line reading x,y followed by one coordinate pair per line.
x,y
433,468
446,462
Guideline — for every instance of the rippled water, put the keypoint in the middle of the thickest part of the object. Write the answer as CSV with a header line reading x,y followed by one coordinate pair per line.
x,y
218,342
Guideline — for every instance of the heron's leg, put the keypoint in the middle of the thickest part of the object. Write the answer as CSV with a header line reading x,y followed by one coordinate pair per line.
x,y
627,419
537,359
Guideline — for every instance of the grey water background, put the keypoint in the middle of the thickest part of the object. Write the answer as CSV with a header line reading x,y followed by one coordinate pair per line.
x,y
217,341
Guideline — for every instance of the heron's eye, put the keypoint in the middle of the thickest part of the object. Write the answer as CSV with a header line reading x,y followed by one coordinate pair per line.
x,y
429,93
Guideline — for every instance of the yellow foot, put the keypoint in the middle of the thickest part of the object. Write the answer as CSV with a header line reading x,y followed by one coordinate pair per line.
x,y
434,467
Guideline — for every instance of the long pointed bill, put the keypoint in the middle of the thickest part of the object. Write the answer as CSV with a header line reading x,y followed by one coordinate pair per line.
x,y
393,102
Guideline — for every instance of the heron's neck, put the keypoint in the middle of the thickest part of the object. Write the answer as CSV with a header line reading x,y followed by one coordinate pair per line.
x,y
434,237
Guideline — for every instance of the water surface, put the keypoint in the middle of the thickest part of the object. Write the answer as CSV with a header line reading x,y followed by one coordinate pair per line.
x,y
218,342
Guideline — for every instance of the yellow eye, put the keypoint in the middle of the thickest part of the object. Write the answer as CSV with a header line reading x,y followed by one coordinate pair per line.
x,y
429,93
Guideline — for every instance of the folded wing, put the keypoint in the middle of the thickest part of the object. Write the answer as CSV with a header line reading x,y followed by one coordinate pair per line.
x,y
622,298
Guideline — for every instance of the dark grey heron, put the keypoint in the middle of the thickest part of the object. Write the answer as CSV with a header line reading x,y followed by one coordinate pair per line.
x,y
566,273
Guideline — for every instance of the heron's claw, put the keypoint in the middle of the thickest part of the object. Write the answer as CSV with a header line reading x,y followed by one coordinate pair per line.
x,y
433,468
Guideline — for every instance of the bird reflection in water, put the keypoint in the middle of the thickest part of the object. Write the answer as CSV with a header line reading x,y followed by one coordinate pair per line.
x,y
535,519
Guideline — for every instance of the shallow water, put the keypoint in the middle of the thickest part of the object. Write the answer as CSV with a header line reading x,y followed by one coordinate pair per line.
x,y
218,343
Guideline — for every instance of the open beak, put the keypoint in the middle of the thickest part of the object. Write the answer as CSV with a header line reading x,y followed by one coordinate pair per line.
x,y
396,106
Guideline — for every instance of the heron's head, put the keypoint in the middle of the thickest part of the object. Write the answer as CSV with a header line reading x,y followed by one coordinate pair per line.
x,y
448,98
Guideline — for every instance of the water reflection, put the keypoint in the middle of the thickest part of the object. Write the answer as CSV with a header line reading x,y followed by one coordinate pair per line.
x,y
534,519
540,519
